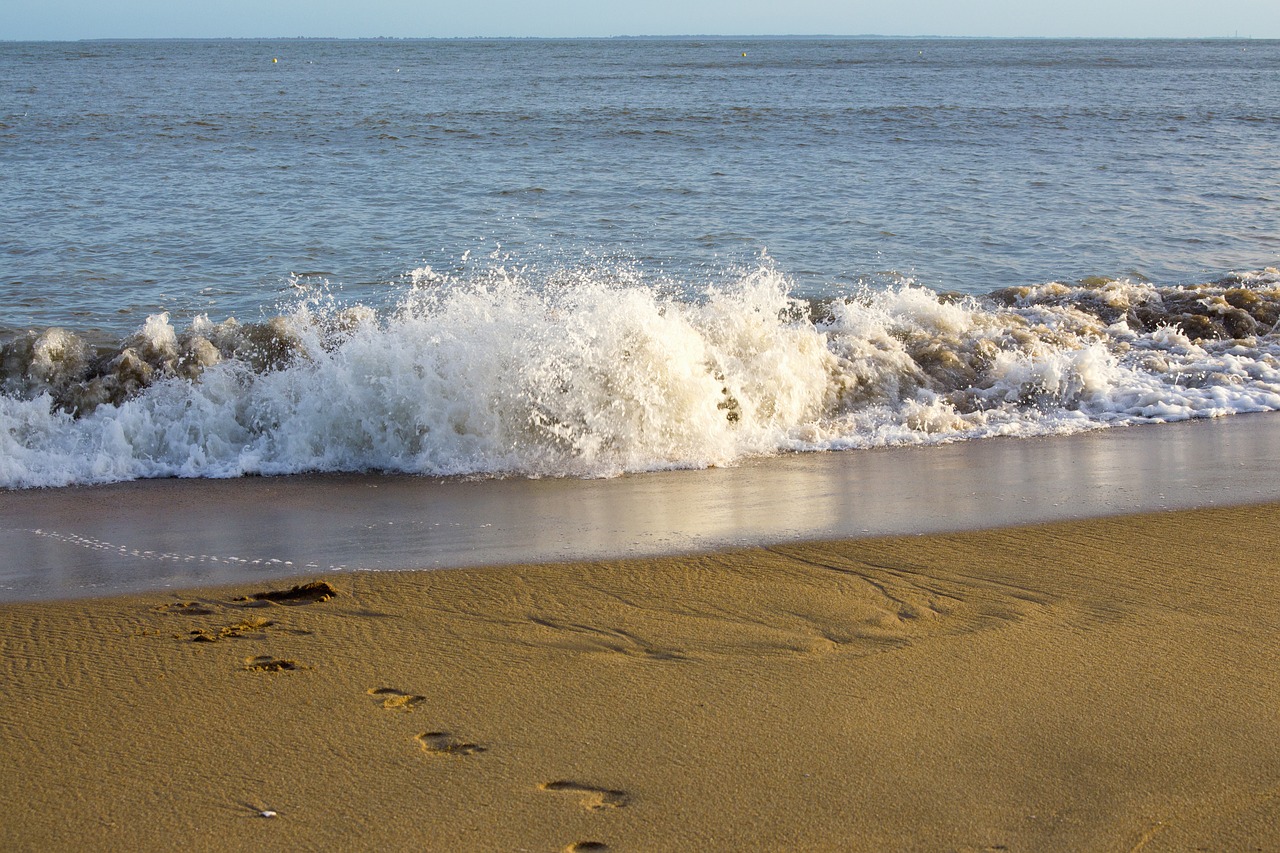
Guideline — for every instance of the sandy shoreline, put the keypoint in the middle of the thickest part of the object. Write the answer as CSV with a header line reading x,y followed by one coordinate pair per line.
x,y
179,534
1104,685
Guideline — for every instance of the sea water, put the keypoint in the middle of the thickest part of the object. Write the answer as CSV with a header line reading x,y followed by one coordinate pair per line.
x,y
591,257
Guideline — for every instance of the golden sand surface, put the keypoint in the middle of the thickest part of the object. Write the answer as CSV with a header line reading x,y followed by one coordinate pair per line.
x,y
1100,685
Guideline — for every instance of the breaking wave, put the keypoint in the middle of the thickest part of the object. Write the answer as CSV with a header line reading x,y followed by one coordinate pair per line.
x,y
596,375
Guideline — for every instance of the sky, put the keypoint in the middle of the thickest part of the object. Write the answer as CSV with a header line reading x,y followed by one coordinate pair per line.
x,y
78,19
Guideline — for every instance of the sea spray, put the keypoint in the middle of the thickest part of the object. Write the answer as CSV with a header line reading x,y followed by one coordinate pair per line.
x,y
595,373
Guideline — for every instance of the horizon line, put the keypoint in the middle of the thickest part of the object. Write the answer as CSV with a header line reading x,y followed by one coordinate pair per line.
x,y
653,37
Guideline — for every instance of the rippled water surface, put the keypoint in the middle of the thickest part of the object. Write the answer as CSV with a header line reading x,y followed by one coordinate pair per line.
x,y
198,176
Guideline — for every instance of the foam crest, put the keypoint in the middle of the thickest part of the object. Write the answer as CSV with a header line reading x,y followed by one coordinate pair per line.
x,y
593,373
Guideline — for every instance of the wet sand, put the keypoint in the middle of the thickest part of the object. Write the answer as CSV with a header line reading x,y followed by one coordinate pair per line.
x,y
1107,684
131,537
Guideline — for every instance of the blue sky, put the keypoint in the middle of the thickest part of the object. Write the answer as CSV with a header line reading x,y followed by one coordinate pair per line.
x,y
74,19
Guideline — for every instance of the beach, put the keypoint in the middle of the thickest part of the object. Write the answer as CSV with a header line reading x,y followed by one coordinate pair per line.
x,y
1012,644
1103,684
188,533
639,444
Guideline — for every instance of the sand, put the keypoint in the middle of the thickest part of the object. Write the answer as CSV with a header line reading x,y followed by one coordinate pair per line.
x,y
1088,685
176,533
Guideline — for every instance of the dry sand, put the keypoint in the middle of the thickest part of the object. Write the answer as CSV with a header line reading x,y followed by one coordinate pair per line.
x,y
1097,685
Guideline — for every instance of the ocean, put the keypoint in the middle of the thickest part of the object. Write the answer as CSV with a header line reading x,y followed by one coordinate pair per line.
x,y
588,258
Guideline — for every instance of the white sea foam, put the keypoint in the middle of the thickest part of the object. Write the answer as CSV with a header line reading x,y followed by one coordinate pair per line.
x,y
596,375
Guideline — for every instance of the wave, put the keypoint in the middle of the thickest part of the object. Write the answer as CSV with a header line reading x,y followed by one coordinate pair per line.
x,y
595,374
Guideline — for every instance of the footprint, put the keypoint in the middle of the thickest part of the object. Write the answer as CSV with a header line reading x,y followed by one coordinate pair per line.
x,y
592,797
266,663
307,593
184,608
393,700
443,743
252,628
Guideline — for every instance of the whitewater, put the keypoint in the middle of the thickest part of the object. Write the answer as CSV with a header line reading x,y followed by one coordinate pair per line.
x,y
595,375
